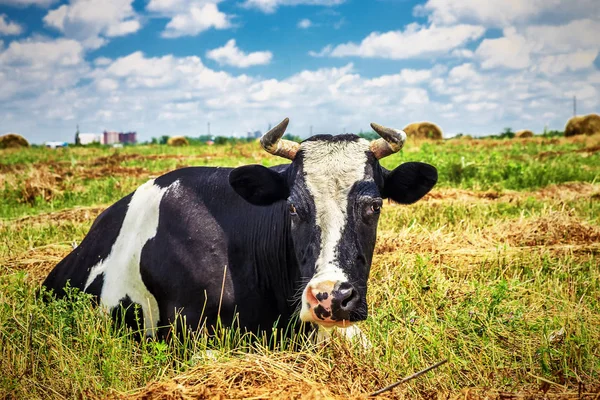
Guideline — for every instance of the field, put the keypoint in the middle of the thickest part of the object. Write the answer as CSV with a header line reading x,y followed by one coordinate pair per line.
x,y
496,270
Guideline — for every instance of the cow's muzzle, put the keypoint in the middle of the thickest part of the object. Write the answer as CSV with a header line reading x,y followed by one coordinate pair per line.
x,y
332,304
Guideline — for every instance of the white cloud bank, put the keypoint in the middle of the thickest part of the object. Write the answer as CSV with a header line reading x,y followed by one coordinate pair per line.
x,y
190,18
179,95
505,13
27,3
413,42
231,55
269,6
93,21
8,27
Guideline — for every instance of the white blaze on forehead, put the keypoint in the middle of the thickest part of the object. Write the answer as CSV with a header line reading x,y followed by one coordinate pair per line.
x,y
330,171
121,269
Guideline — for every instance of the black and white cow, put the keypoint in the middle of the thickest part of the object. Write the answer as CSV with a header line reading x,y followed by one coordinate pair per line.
x,y
253,246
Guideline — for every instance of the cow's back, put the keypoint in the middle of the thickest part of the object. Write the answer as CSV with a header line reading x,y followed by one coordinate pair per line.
x,y
178,244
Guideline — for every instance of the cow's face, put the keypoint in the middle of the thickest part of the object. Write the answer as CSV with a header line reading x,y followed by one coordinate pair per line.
x,y
334,191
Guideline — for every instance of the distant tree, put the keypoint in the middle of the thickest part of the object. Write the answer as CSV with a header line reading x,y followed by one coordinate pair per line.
x,y
163,139
77,139
221,140
293,138
205,138
552,133
368,135
507,134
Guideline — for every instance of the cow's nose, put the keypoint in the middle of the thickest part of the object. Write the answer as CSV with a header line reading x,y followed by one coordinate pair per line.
x,y
332,301
347,297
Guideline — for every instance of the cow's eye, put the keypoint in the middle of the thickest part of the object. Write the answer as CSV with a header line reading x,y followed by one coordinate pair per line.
x,y
293,209
376,208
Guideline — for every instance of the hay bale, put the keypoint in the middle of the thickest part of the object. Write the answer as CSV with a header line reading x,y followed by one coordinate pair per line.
x,y
423,130
13,140
178,141
524,133
583,125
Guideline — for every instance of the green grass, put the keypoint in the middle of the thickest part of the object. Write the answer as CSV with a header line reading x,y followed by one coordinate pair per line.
x,y
506,288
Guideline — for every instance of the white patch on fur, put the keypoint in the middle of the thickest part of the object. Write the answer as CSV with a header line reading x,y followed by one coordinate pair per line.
x,y
121,269
330,171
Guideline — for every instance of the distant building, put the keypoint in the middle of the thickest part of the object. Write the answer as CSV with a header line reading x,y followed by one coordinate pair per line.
x,y
55,145
89,138
128,137
110,137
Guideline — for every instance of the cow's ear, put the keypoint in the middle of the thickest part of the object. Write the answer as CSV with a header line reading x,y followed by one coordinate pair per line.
x,y
259,185
409,182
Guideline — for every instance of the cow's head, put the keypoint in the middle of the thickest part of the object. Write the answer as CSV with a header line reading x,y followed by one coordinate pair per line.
x,y
334,189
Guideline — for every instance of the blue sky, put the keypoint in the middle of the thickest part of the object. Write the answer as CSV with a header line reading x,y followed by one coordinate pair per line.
x,y
168,67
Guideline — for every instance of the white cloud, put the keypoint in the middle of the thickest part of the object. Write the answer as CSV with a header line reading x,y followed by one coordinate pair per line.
x,y
92,21
483,106
26,3
549,49
462,53
269,6
415,41
510,51
102,61
505,13
575,35
324,52
556,64
304,23
8,27
36,65
405,77
42,53
107,85
415,96
193,20
462,73
231,55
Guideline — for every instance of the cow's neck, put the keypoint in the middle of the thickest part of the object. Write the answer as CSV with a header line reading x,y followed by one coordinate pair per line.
x,y
274,258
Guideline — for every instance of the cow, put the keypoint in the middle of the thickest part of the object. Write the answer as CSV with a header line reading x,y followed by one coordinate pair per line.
x,y
252,246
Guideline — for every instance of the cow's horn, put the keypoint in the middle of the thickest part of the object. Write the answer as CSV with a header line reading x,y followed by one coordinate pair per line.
x,y
272,142
391,141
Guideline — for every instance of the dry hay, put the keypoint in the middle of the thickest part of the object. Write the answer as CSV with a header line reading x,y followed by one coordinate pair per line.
x,y
525,133
423,130
13,141
585,152
286,375
556,231
178,141
69,215
544,391
560,192
273,375
583,125
41,183
37,262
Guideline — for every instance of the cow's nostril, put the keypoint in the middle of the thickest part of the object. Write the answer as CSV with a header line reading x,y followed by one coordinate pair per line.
x,y
347,296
